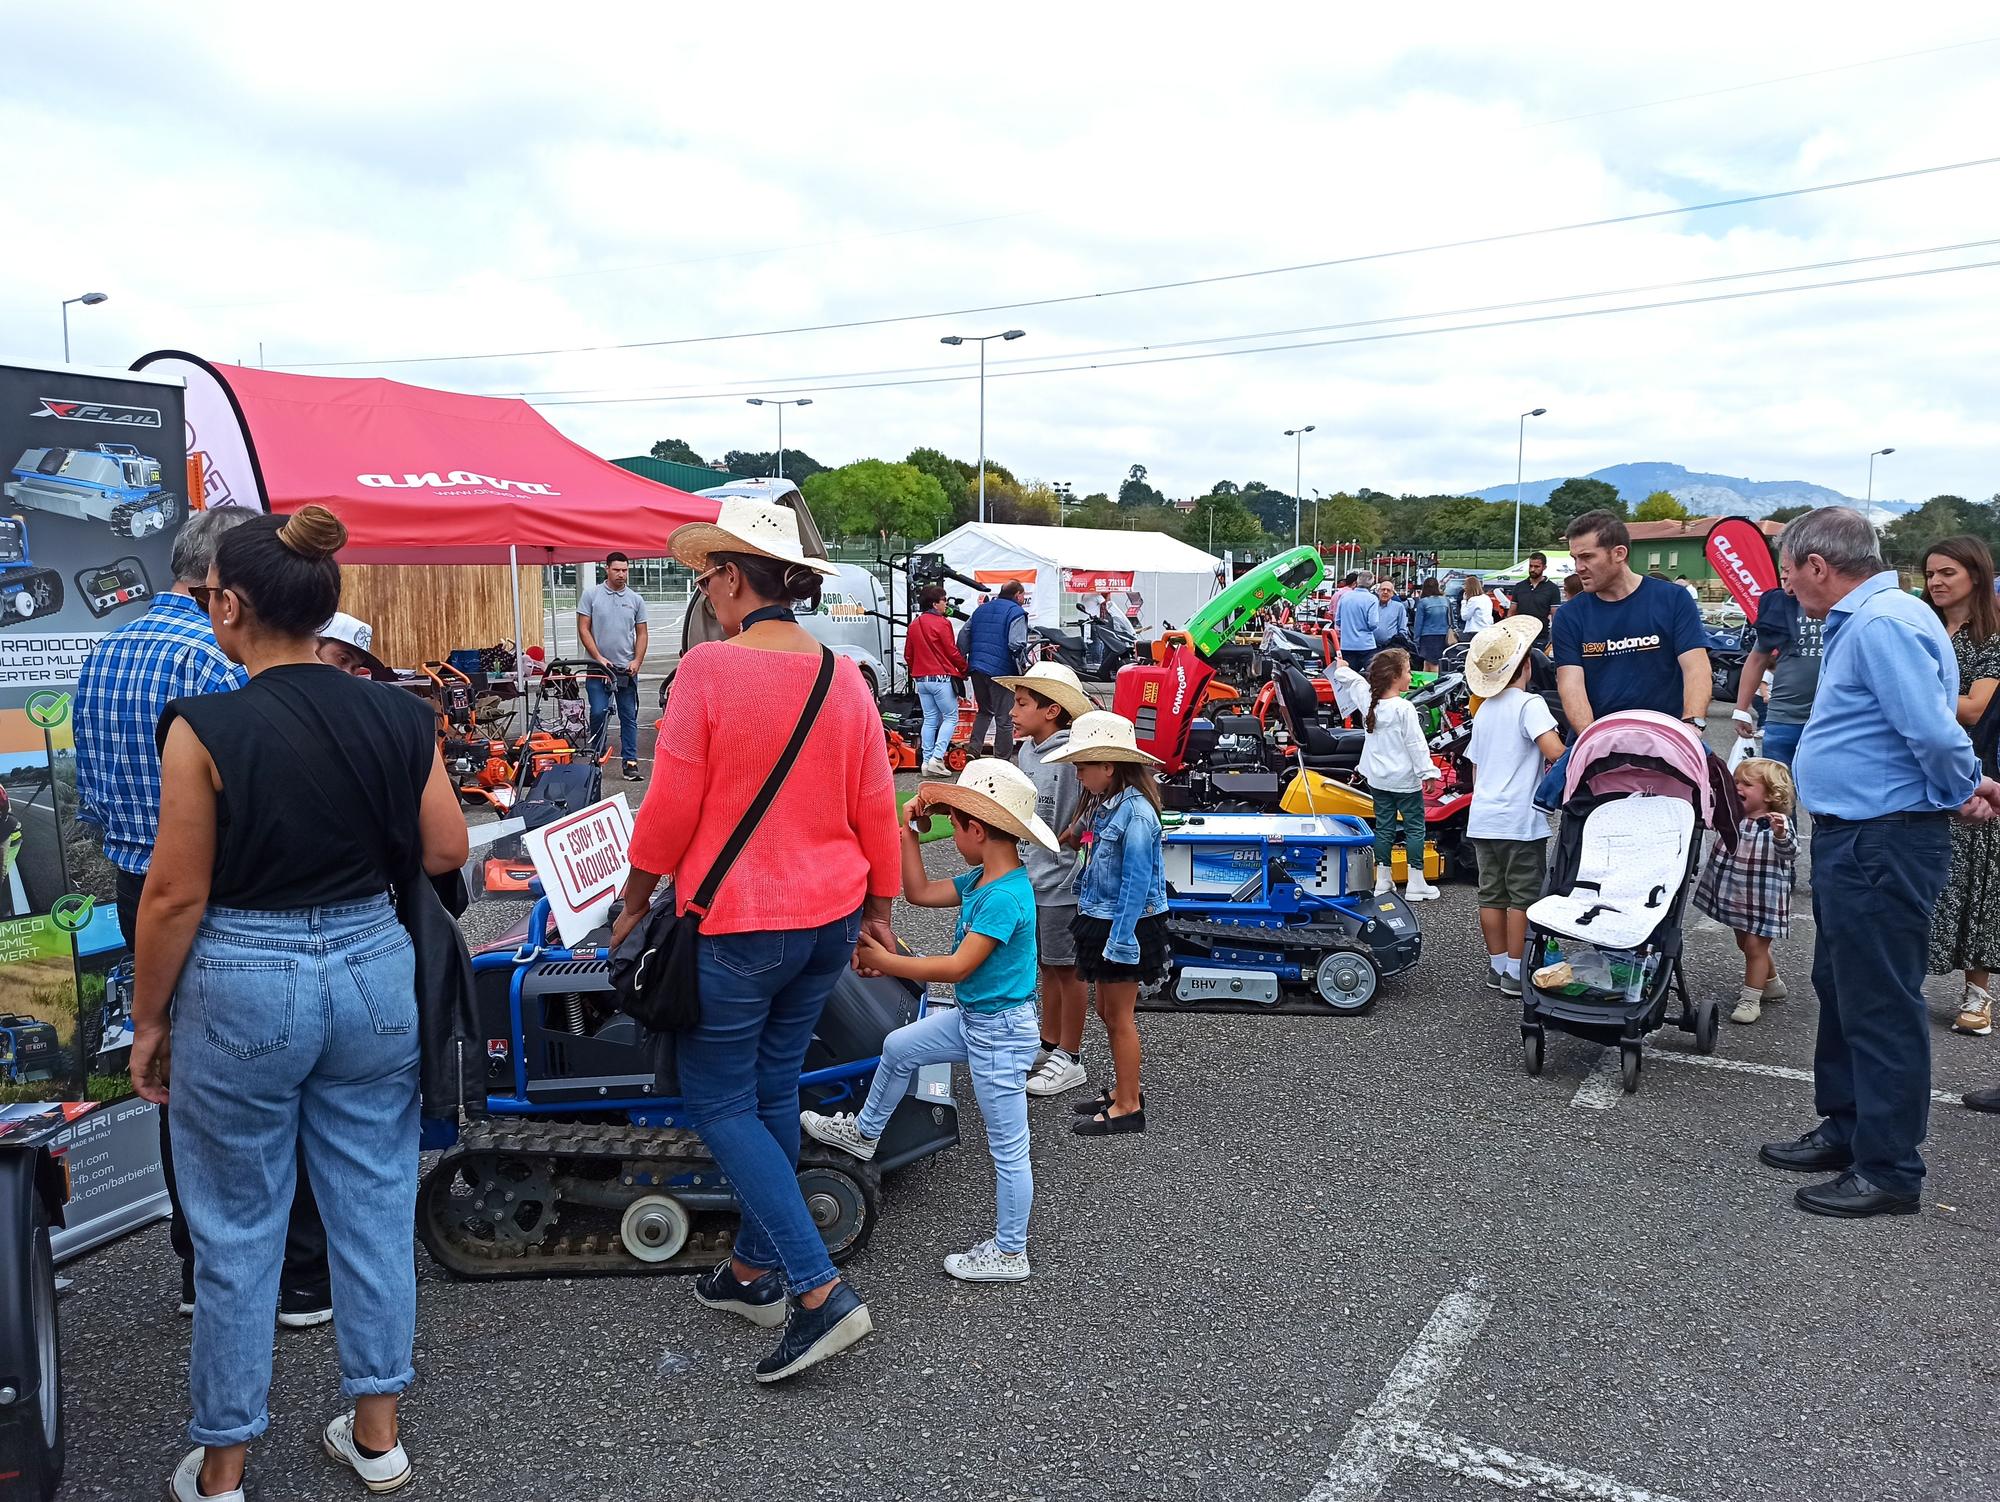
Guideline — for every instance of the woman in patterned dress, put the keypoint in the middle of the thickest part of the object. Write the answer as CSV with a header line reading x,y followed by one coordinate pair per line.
x,y
1965,930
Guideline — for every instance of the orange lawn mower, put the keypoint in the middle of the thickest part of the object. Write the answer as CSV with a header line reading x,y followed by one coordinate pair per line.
x,y
477,762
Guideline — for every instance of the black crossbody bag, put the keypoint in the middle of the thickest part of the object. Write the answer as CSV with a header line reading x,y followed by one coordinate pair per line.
x,y
452,1067
655,974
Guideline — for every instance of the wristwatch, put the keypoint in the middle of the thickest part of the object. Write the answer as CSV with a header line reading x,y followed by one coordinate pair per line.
x,y
1699,721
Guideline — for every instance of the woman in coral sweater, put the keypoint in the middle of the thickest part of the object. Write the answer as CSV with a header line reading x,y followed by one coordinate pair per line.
x,y
821,864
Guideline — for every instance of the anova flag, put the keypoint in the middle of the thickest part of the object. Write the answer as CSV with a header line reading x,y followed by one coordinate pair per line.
x,y
1741,556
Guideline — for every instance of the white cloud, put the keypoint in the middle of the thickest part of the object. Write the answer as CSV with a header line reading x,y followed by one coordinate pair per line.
x,y
408,180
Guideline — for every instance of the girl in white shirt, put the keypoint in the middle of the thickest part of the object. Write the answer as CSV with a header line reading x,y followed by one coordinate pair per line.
x,y
1396,763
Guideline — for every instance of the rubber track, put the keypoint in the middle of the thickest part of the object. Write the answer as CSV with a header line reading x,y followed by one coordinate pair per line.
x,y
1291,1002
564,1144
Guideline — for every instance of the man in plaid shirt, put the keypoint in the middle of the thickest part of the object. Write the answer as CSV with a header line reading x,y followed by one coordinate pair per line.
x,y
170,653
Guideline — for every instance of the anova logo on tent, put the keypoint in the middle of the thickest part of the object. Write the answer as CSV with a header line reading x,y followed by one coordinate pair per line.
x,y
105,412
457,479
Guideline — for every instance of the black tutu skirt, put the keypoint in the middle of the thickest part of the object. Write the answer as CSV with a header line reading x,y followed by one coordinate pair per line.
x,y
1092,934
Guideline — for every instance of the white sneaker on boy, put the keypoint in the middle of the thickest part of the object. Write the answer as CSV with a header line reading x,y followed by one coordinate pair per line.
x,y
1055,1074
379,1473
986,1263
839,1130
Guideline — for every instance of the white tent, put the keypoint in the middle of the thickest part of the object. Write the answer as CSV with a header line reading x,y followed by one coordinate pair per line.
x,y
1149,576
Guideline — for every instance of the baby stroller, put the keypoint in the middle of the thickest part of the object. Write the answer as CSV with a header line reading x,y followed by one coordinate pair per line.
x,y
1639,790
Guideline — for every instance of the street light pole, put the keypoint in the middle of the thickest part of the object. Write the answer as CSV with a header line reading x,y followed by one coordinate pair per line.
x,y
1870,503
1062,490
771,401
980,340
89,300
1520,444
1298,437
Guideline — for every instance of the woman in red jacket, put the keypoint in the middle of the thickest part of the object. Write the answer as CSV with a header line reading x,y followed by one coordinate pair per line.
x,y
823,862
934,660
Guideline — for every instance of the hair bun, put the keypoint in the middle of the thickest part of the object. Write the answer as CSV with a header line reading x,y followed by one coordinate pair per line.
x,y
313,532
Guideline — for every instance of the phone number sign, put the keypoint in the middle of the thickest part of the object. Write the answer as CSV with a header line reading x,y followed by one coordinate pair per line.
x,y
582,863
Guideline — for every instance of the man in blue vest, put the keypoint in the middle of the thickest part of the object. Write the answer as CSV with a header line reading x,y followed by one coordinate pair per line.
x,y
995,643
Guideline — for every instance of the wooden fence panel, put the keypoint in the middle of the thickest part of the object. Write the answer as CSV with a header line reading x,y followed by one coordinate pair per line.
x,y
422,611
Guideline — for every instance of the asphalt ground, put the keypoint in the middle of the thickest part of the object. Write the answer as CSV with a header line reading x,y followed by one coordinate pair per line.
x,y
1612,1300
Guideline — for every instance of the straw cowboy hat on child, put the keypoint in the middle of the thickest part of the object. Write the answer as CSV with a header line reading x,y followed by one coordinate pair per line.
x,y
1496,653
1055,683
1102,736
996,792
754,527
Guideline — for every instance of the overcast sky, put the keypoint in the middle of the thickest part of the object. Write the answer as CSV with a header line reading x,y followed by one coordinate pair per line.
x,y
427,179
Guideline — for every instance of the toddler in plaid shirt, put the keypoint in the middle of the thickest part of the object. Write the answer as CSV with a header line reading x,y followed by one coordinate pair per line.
x,y
1750,889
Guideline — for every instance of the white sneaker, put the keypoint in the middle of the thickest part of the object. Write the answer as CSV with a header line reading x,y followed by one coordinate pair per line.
x,y
381,1473
1775,989
185,1483
838,1130
1748,1006
935,768
1057,1073
1385,881
986,1263
1419,890
1975,1011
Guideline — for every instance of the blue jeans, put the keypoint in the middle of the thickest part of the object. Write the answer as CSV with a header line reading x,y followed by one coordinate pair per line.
x,y
1875,883
999,1049
761,996
940,716
296,1030
1781,742
600,694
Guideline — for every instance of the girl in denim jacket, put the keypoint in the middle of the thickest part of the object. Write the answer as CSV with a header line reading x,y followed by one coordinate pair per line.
x,y
1121,921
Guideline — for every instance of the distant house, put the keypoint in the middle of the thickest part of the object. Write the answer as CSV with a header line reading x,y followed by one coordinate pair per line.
x,y
1675,548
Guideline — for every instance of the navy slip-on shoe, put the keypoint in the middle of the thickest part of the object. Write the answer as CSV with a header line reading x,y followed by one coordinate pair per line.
x,y
812,1335
761,1300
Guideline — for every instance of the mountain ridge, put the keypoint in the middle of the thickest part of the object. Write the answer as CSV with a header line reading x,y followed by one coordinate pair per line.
x,y
1702,493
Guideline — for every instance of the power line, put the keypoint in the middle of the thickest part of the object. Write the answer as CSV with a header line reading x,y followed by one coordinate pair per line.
x,y
1760,83
1201,281
1321,328
1264,349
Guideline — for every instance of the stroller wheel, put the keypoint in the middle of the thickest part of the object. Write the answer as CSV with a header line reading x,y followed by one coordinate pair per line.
x,y
1628,1067
1707,1021
1534,1045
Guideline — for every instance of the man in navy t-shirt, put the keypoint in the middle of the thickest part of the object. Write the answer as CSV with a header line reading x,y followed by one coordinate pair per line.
x,y
1627,642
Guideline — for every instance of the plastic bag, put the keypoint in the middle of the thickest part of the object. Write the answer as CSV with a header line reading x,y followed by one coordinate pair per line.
x,y
1745,748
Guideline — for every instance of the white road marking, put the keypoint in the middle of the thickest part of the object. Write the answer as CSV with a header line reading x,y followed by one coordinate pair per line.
x,y
1490,1463
1604,1086
1368,1456
1743,1066
1391,1429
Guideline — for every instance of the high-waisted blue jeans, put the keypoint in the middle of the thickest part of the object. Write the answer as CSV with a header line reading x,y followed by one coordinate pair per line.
x,y
761,996
940,716
296,1030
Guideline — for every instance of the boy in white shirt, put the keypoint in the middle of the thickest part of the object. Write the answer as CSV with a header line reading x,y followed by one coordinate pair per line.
x,y
1514,737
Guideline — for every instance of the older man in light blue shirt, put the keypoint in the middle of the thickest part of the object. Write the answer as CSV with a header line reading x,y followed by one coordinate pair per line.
x,y
1356,619
1883,765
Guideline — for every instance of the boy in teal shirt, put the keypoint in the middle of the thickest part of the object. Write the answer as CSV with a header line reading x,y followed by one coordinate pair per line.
x,y
993,1030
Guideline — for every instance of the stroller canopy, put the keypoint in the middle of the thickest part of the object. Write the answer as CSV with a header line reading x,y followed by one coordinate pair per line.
x,y
1638,751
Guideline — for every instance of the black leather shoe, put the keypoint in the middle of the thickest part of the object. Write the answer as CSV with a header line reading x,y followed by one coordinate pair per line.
x,y
1983,1100
1851,1197
812,1335
1812,1153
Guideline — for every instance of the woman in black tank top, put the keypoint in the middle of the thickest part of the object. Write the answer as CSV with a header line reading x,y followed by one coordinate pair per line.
x,y
286,810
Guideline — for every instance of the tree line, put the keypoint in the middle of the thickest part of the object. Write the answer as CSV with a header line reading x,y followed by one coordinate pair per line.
x,y
928,492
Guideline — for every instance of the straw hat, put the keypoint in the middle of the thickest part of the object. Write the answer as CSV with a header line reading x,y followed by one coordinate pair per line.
x,y
999,793
1496,654
1102,736
755,527
1056,682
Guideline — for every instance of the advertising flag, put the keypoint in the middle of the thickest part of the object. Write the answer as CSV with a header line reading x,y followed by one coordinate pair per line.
x,y
1741,556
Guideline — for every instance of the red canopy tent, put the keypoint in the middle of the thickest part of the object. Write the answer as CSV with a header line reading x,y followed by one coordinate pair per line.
x,y
418,476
